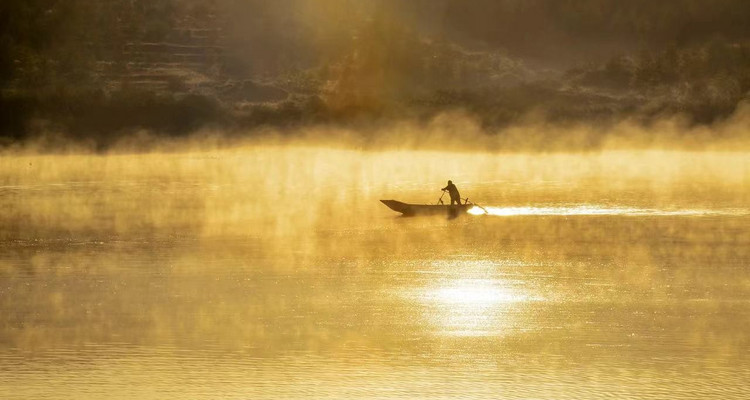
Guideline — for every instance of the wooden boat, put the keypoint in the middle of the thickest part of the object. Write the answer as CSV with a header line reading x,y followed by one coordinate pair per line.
x,y
427,209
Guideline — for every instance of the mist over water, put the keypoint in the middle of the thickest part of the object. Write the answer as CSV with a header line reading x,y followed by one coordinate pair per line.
x,y
190,199
273,271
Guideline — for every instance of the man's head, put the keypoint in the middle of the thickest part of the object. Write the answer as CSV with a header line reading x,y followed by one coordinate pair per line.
x,y
450,182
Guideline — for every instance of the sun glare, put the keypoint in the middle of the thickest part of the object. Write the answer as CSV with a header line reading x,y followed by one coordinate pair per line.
x,y
474,293
472,307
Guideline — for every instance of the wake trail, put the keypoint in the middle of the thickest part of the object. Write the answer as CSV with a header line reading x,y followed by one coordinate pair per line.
x,y
593,210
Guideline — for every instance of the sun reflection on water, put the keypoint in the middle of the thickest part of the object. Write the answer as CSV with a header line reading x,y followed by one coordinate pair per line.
x,y
474,299
477,293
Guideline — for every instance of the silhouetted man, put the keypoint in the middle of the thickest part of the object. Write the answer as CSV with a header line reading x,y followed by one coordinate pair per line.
x,y
453,191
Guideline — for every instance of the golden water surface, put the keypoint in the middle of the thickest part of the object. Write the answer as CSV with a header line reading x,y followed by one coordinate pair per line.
x,y
271,272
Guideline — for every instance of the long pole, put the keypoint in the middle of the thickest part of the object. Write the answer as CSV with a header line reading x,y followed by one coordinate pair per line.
x,y
440,200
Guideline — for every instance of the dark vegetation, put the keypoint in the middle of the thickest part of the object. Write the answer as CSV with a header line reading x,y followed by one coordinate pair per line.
x,y
103,70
